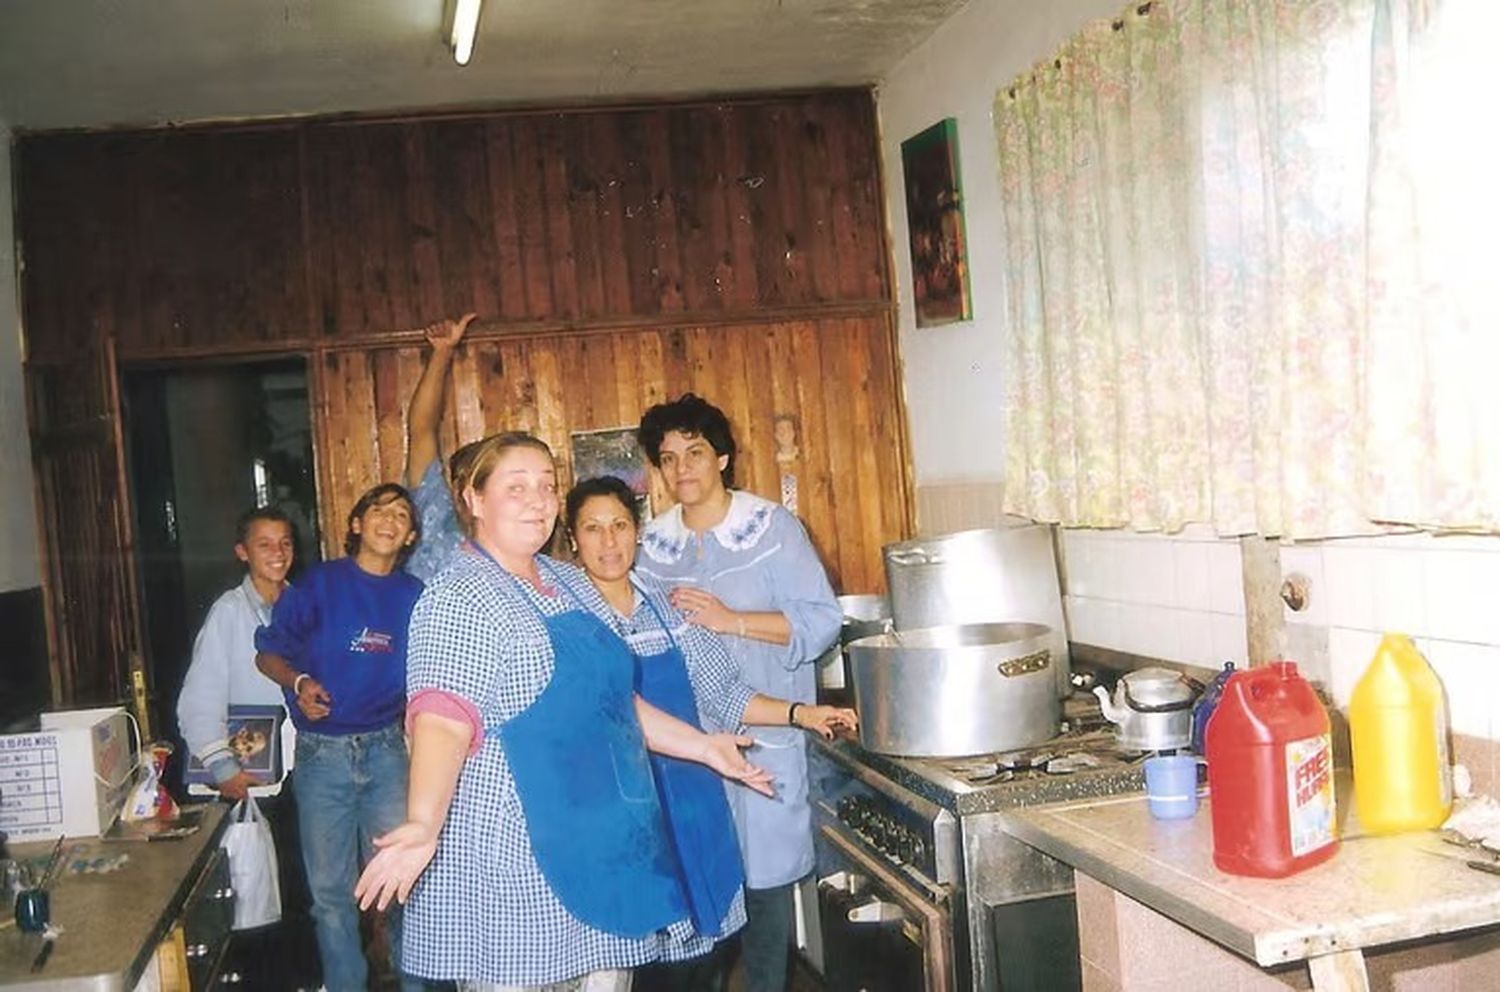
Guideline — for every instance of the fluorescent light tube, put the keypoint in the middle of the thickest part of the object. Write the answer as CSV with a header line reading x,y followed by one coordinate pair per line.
x,y
465,26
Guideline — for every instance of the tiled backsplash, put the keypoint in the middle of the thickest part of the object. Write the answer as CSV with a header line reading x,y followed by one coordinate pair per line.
x,y
1181,597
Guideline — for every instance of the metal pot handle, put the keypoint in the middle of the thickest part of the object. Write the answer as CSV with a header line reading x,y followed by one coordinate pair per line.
x,y
916,556
1036,661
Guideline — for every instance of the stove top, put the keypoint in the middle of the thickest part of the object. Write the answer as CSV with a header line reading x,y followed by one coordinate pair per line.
x,y
1084,761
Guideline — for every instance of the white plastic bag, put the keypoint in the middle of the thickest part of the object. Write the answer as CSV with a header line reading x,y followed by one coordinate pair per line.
x,y
252,867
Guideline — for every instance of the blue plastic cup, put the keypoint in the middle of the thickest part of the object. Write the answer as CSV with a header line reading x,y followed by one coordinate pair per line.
x,y
1172,786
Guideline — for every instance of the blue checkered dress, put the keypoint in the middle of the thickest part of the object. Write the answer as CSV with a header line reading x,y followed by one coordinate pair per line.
x,y
482,911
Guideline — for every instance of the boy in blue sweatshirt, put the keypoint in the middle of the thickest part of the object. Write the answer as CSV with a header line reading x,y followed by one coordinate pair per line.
x,y
336,645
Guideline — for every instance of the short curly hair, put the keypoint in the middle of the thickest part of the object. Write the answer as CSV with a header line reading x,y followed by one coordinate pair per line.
x,y
692,416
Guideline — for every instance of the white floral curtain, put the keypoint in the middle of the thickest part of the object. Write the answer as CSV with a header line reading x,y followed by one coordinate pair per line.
x,y
1249,254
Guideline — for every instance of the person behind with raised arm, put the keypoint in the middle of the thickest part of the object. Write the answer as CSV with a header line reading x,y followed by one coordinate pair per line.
x,y
336,645
430,492
744,568
534,850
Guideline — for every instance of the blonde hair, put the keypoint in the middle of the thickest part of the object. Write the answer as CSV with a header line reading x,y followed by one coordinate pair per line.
x,y
479,461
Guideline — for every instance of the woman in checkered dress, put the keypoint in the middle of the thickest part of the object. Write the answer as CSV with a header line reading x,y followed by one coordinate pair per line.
x,y
534,851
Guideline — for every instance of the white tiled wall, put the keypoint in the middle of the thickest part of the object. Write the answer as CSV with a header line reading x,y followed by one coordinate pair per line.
x,y
1443,591
1179,597
1182,598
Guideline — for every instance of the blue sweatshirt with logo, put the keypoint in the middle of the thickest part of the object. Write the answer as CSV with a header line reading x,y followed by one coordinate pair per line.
x,y
347,629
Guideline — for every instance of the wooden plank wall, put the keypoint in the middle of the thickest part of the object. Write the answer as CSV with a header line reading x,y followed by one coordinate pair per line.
x,y
616,256
835,376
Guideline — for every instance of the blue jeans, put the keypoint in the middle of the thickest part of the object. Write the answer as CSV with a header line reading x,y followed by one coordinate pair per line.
x,y
767,937
350,790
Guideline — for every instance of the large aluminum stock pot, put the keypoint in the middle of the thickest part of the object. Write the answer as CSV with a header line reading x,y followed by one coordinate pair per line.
x,y
956,690
1000,575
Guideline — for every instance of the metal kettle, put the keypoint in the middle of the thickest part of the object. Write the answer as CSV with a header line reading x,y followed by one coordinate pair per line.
x,y
1153,707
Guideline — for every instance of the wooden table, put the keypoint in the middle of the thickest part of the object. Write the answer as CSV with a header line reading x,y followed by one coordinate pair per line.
x,y
1374,891
111,923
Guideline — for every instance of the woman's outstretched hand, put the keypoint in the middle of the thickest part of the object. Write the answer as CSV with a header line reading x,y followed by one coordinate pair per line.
x,y
400,858
827,720
721,752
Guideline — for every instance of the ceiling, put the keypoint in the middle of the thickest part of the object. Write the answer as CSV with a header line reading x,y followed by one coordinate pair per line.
x,y
93,63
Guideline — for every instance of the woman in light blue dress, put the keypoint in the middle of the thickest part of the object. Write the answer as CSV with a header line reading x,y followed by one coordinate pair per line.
x,y
744,568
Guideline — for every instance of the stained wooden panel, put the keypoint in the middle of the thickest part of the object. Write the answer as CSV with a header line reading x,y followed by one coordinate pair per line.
x,y
73,202
596,215
836,378
182,241
93,614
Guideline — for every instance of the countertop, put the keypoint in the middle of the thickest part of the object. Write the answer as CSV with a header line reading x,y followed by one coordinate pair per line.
x,y
111,923
1374,891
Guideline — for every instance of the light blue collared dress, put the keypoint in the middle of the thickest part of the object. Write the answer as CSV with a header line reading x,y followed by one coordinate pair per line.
x,y
757,559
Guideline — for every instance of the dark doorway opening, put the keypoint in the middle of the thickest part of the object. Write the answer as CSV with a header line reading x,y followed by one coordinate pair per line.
x,y
204,444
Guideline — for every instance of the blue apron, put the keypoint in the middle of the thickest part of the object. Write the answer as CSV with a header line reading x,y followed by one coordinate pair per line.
x,y
580,768
692,795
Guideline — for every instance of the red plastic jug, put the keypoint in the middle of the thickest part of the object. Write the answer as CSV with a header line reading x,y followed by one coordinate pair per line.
x,y
1270,774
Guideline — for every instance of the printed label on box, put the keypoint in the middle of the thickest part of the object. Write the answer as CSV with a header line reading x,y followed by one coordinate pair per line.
x,y
31,788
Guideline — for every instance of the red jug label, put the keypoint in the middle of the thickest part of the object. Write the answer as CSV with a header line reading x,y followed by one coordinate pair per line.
x,y
1309,793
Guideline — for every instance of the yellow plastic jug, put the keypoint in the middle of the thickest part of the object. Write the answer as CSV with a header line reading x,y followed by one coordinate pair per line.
x,y
1398,731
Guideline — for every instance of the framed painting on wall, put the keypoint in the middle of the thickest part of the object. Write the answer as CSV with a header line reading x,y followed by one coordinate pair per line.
x,y
935,225
613,451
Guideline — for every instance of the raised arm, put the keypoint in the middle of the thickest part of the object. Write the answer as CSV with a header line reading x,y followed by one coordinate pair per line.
x,y
426,410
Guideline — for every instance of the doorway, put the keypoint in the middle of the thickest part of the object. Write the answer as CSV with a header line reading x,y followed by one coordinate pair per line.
x,y
203,445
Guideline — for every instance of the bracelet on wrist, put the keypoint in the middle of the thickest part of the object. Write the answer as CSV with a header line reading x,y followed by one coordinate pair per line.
x,y
297,683
739,624
791,714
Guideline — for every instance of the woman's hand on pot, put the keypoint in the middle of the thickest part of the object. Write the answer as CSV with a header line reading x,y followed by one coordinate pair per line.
x,y
400,858
827,720
721,752
704,609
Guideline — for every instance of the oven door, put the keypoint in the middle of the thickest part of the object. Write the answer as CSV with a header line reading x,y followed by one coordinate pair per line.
x,y
881,933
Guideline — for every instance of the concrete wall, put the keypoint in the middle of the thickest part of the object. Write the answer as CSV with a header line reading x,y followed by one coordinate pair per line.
x,y
18,544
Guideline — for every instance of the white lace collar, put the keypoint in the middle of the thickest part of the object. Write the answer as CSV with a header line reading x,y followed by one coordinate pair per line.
x,y
748,519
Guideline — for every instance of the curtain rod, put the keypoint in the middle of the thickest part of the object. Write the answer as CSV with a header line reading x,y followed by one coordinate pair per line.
x,y
1115,25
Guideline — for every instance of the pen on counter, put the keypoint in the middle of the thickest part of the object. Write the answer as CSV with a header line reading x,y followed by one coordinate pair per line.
x,y
56,856
40,961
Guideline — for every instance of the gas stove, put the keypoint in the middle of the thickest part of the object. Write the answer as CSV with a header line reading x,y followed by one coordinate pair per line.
x,y
921,841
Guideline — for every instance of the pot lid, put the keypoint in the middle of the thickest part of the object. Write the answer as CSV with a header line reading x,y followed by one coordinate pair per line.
x,y
1158,687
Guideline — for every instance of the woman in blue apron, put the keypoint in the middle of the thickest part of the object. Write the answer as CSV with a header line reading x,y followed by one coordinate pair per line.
x,y
534,850
684,669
